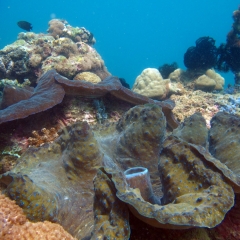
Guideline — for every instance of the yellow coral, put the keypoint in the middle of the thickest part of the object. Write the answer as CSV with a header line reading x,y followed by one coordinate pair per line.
x,y
88,76
46,136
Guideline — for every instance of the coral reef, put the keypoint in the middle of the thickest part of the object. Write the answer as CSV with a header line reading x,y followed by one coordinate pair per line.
x,y
69,50
151,84
205,80
229,105
15,226
46,136
59,176
195,101
60,28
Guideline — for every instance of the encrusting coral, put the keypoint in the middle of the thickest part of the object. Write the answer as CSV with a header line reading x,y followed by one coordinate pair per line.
x,y
195,101
15,226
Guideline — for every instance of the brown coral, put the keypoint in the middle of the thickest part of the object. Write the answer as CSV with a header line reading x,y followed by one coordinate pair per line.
x,y
88,76
56,27
15,226
65,47
46,136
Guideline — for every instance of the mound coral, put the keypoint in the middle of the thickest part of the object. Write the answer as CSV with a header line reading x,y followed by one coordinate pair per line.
x,y
195,101
151,84
60,28
69,50
88,76
205,80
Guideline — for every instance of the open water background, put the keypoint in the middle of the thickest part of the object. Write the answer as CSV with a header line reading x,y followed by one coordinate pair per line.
x,y
131,34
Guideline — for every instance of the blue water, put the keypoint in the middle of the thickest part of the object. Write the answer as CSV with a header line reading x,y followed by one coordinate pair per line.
x,y
131,35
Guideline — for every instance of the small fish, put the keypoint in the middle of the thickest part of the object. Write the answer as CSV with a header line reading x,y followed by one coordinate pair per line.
x,y
25,25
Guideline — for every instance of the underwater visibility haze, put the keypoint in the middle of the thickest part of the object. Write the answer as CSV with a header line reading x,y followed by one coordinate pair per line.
x,y
120,120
